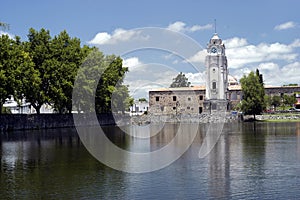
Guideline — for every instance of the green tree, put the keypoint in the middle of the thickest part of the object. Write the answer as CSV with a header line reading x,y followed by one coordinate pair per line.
x,y
87,77
289,100
276,101
7,68
17,75
262,92
26,77
180,81
268,101
121,101
112,77
5,26
253,95
38,46
101,77
142,100
66,57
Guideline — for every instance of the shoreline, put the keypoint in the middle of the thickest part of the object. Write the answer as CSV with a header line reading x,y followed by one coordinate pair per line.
x,y
12,122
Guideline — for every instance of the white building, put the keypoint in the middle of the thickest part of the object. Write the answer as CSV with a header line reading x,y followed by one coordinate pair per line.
x,y
24,107
139,107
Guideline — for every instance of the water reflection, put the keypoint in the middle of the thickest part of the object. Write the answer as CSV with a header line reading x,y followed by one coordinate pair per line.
x,y
250,161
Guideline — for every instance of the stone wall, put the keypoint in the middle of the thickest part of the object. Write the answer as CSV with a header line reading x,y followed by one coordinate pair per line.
x,y
176,102
45,121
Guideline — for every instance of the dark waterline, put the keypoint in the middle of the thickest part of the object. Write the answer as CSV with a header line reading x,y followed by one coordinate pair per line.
x,y
250,161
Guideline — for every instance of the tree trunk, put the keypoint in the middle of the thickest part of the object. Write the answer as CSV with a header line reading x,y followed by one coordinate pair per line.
x,y
37,108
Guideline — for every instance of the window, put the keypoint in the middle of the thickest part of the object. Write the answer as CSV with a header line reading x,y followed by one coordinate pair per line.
x,y
201,97
189,98
214,85
188,108
214,106
174,98
157,98
200,110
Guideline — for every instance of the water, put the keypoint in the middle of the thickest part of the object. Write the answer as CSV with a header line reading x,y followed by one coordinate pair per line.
x,y
250,161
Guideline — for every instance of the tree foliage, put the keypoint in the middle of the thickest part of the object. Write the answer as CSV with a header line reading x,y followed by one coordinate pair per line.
x,y
102,77
180,81
4,25
43,69
17,73
253,94
276,101
38,46
289,100
142,99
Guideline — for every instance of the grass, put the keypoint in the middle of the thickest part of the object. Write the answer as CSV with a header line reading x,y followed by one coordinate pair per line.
x,y
280,120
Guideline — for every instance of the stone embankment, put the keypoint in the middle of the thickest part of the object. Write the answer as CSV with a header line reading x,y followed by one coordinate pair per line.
x,y
202,118
278,117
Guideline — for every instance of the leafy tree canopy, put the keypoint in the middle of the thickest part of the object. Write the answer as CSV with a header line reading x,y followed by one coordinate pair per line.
x,y
43,69
180,81
253,94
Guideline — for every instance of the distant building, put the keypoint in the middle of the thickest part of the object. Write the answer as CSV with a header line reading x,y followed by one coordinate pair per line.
x,y
184,100
24,107
139,107
223,91
15,108
190,100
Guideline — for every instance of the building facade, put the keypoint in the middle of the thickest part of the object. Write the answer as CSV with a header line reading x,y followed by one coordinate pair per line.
x,y
191,100
222,91
185,100
139,107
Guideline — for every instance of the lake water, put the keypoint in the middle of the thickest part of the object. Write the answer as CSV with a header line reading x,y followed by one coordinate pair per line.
x,y
250,161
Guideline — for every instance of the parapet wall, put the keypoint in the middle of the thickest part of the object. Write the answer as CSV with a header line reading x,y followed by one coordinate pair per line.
x,y
9,122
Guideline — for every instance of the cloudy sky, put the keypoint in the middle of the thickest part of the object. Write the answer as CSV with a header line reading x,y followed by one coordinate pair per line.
x,y
257,34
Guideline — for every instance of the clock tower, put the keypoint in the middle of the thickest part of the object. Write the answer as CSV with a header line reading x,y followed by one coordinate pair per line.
x,y
217,76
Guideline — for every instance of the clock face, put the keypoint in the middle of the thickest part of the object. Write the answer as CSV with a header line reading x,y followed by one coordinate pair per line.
x,y
213,50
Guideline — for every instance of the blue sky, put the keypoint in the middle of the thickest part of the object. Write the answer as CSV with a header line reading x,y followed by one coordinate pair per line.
x,y
257,34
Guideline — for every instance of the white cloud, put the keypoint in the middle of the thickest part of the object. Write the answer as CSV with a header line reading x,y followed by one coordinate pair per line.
x,y
196,78
292,70
235,42
240,53
284,26
6,33
100,38
132,63
177,26
199,57
268,66
119,35
296,43
181,27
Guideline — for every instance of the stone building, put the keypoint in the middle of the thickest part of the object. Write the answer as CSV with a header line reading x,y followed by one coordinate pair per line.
x,y
222,91
235,93
190,100
184,100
